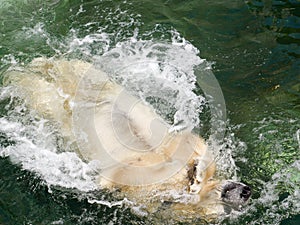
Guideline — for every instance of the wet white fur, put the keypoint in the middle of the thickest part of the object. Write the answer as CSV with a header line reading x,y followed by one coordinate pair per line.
x,y
137,153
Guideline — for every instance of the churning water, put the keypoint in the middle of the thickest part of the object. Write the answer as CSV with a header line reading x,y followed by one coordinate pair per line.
x,y
160,51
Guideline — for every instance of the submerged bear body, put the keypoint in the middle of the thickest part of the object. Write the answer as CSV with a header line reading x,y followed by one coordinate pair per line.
x,y
164,171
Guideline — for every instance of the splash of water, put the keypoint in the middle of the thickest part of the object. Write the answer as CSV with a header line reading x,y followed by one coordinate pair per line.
x,y
36,148
161,73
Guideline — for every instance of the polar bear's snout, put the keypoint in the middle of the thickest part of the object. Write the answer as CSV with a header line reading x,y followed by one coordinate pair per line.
x,y
235,194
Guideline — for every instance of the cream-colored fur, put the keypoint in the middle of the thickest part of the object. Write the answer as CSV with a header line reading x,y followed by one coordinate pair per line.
x,y
137,153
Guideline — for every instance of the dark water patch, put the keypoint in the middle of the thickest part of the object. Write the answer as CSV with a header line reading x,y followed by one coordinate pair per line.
x,y
292,221
279,77
23,191
5,141
37,203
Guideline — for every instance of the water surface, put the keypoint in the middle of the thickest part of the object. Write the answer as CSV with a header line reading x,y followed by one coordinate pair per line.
x,y
253,47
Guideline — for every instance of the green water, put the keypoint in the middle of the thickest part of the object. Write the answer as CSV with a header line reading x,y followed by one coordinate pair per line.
x,y
255,48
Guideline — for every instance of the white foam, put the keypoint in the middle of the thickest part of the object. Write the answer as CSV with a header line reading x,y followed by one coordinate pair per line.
x,y
136,209
35,148
9,59
125,201
161,70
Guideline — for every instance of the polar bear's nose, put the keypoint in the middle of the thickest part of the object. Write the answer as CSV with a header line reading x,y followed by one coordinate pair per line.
x,y
246,192
235,193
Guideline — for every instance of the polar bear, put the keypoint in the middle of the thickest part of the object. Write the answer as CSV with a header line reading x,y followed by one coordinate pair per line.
x,y
164,171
